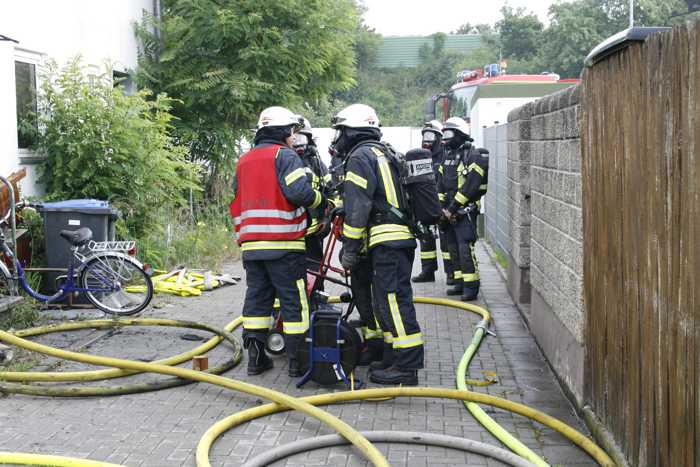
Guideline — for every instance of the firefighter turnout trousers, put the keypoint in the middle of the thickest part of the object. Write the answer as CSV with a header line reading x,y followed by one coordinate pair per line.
x,y
314,251
361,286
393,298
429,254
461,240
284,278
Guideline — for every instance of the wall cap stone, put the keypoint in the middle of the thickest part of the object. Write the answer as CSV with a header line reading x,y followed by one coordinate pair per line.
x,y
524,112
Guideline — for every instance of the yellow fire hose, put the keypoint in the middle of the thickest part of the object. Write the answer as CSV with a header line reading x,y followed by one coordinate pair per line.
x,y
98,375
101,391
54,461
349,433
482,417
282,401
368,394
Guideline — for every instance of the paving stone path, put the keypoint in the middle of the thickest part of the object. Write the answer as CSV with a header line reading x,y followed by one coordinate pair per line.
x,y
163,428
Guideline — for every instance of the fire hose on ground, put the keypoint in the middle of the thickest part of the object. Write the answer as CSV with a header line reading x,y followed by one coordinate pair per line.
x,y
281,401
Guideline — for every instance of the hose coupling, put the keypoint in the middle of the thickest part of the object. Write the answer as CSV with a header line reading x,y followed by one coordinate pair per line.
x,y
483,324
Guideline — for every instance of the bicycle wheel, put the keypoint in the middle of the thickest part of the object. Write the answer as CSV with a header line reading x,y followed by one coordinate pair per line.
x,y
117,284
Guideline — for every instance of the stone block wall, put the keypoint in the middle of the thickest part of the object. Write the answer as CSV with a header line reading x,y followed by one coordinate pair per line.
x,y
545,228
518,184
495,202
556,239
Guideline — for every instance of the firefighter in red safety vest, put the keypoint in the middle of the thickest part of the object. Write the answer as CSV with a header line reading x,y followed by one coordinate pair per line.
x,y
272,194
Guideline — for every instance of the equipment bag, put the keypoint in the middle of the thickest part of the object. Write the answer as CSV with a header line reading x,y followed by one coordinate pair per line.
x,y
419,182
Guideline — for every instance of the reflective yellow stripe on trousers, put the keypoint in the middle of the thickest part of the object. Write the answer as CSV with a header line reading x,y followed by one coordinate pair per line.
x,y
402,340
470,277
299,327
256,322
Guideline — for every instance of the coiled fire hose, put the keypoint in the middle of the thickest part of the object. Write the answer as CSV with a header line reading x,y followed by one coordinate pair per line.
x,y
99,375
285,402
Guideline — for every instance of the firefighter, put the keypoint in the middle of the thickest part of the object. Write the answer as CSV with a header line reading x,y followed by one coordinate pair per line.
x,y
375,210
432,139
361,281
318,176
463,181
272,193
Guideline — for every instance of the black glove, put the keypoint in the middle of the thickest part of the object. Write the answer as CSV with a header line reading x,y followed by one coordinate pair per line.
x,y
349,259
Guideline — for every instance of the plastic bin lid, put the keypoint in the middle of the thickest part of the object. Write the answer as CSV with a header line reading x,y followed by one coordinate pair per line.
x,y
86,206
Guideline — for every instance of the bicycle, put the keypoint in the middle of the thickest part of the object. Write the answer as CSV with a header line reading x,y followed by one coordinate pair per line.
x,y
112,281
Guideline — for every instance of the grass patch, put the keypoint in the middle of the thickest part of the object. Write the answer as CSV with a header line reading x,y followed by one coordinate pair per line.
x,y
22,315
22,361
202,242
501,258
499,255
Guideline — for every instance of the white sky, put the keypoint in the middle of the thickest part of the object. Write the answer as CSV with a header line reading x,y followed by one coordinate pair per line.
x,y
422,18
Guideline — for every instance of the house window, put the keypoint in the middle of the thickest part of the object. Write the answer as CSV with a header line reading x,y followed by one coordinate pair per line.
x,y
25,86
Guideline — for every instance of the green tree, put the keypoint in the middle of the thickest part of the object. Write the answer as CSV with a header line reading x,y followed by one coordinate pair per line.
x,y
439,39
646,12
520,34
366,46
577,27
100,143
478,28
226,61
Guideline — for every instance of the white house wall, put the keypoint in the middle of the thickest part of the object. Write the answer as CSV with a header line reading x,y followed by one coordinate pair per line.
x,y
493,111
403,138
99,30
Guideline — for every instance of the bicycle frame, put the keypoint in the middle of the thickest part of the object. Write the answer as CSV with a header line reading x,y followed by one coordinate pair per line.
x,y
66,289
316,278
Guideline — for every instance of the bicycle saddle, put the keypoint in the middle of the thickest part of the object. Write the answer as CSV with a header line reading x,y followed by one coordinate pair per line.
x,y
77,237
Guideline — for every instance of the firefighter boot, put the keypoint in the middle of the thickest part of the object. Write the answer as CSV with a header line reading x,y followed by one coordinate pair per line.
x,y
373,352
455,290
258,361
395,376
292,342
387,358
469,295
424,276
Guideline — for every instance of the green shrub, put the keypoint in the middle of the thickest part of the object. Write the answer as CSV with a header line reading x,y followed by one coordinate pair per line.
x,y
101,143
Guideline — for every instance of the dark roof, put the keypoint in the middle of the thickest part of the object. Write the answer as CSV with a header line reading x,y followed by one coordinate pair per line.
x,y
403,51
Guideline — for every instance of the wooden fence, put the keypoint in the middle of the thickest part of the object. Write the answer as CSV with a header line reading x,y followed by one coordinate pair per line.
x,y
641,142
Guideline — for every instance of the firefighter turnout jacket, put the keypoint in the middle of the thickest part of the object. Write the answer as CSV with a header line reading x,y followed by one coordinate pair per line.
x,y
319,178
463,177
271,193
372,200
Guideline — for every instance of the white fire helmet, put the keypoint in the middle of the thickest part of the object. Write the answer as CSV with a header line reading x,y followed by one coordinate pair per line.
x,y
306,129
434,126
278,117
356,116
452,125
